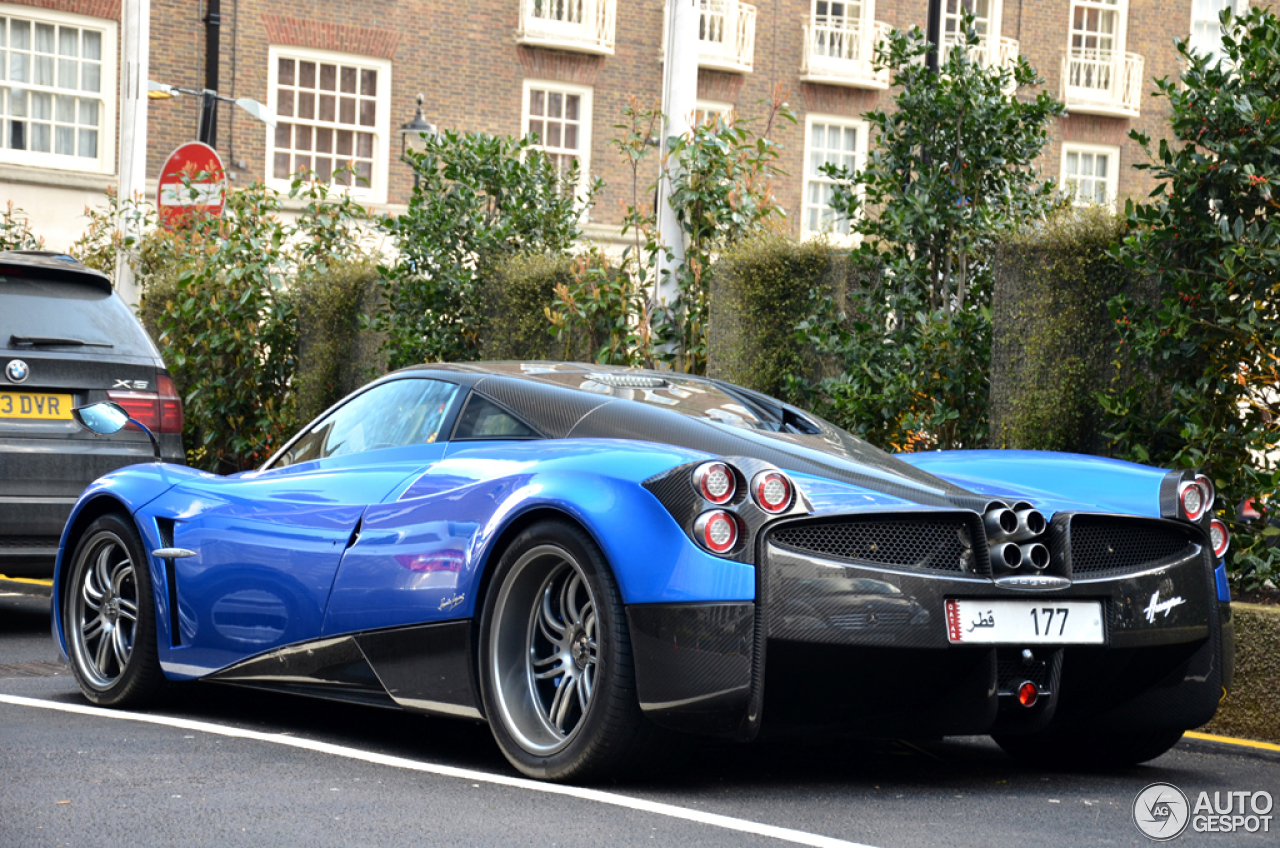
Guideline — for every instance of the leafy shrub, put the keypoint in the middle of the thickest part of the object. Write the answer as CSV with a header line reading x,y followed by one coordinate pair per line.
x,y
722,191
952,169
226,330
480,199
1208,344
598,314
15,230
217,297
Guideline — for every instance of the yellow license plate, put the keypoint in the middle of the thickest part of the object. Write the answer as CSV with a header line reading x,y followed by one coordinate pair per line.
x,y
35,405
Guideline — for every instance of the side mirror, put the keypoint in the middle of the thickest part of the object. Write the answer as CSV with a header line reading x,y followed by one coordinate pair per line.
x,y
102,418
106,417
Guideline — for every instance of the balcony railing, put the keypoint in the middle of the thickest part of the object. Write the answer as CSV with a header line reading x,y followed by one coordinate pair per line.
x,y
727,36
843,54
583,26
1102,83
991,52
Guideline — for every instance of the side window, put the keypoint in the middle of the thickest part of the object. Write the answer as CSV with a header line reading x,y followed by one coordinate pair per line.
x,y
484,420
394,414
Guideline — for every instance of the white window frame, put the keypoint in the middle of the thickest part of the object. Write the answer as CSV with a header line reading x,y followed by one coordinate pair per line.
x,y
995,12
860,158
704,108
587,93
1121,11
865,14
1238,7
105,162
1113,170
376,191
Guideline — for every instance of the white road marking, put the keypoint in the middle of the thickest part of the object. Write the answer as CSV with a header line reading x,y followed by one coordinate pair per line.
x,y
786,834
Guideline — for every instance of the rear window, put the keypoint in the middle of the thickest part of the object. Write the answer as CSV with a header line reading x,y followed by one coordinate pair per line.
x,y
72,312
695,398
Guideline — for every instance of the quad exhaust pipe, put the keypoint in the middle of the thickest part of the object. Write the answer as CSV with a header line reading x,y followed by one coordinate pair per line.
x,y
1011,556
1011,532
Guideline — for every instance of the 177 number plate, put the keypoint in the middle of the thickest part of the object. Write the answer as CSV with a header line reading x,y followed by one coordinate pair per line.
x,y
1023,622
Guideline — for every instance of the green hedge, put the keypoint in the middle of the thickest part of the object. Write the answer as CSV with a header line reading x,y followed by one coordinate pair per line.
x,y
1052,335
515,296
335,356
760,291
1251,708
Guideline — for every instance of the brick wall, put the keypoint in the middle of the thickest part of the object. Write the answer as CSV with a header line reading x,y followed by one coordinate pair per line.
x,y
465,59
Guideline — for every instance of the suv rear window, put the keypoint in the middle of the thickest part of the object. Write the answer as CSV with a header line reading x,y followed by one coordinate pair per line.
x,y
54,309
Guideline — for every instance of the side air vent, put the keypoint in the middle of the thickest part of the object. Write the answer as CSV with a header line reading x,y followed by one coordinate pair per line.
x,y
164,527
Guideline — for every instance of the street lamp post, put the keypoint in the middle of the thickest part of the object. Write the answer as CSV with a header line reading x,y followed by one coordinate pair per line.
x,y
414,136
207,128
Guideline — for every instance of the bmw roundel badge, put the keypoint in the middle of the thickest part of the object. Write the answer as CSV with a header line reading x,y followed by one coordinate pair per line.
x,y
17,371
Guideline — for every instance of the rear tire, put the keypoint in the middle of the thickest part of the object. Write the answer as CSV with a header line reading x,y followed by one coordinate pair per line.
x,y
109,617
556,673
1088,750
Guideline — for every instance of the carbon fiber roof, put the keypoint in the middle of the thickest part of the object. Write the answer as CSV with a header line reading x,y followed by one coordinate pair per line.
x,y
579,400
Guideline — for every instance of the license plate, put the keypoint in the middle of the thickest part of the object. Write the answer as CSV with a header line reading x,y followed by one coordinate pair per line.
x,y
1024,622
35,405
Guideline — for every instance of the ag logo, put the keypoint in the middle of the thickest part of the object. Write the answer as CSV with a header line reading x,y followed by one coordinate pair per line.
x,y
17,371
1161,812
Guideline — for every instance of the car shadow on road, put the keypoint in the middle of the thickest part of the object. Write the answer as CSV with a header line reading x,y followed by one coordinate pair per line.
x,y
972,764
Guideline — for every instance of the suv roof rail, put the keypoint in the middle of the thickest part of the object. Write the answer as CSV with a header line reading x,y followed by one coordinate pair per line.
x,y
51,265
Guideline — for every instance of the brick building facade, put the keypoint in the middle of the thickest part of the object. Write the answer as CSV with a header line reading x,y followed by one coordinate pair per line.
x,y
342,77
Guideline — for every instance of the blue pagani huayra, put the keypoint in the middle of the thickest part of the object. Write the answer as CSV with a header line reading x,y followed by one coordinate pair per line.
x,y
596,559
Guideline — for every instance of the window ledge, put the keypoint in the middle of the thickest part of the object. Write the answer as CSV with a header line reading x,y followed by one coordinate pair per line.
x,y
85,180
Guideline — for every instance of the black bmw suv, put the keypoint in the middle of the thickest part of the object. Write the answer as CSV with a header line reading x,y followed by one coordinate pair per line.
x,y
67,339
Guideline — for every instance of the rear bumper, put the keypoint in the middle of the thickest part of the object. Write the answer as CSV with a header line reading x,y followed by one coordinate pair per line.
x,y
43,479
867,653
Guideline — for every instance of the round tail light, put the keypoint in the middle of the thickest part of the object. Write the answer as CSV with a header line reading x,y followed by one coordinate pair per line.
x,y
1206,490
1219,538
717,530
1192,499
715,481
772,491
1028,694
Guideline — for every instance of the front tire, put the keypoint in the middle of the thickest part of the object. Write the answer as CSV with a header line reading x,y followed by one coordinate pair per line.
x,y
108,617
1088,751
556,674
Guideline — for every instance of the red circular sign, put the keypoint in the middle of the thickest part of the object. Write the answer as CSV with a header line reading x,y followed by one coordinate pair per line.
x,y
192,180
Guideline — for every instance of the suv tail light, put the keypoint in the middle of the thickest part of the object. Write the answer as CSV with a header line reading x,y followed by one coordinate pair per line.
x,y
170,405
159,412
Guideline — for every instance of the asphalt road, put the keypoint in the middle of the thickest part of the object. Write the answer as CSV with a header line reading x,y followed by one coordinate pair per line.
x,y
272,770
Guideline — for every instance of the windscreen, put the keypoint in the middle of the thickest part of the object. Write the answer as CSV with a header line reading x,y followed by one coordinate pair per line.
x,y
83,317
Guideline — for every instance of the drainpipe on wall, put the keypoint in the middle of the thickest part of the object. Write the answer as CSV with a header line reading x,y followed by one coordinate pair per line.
x,y
208,132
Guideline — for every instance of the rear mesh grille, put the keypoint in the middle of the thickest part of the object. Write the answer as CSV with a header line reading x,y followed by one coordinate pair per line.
x,y
939,544
1102,545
